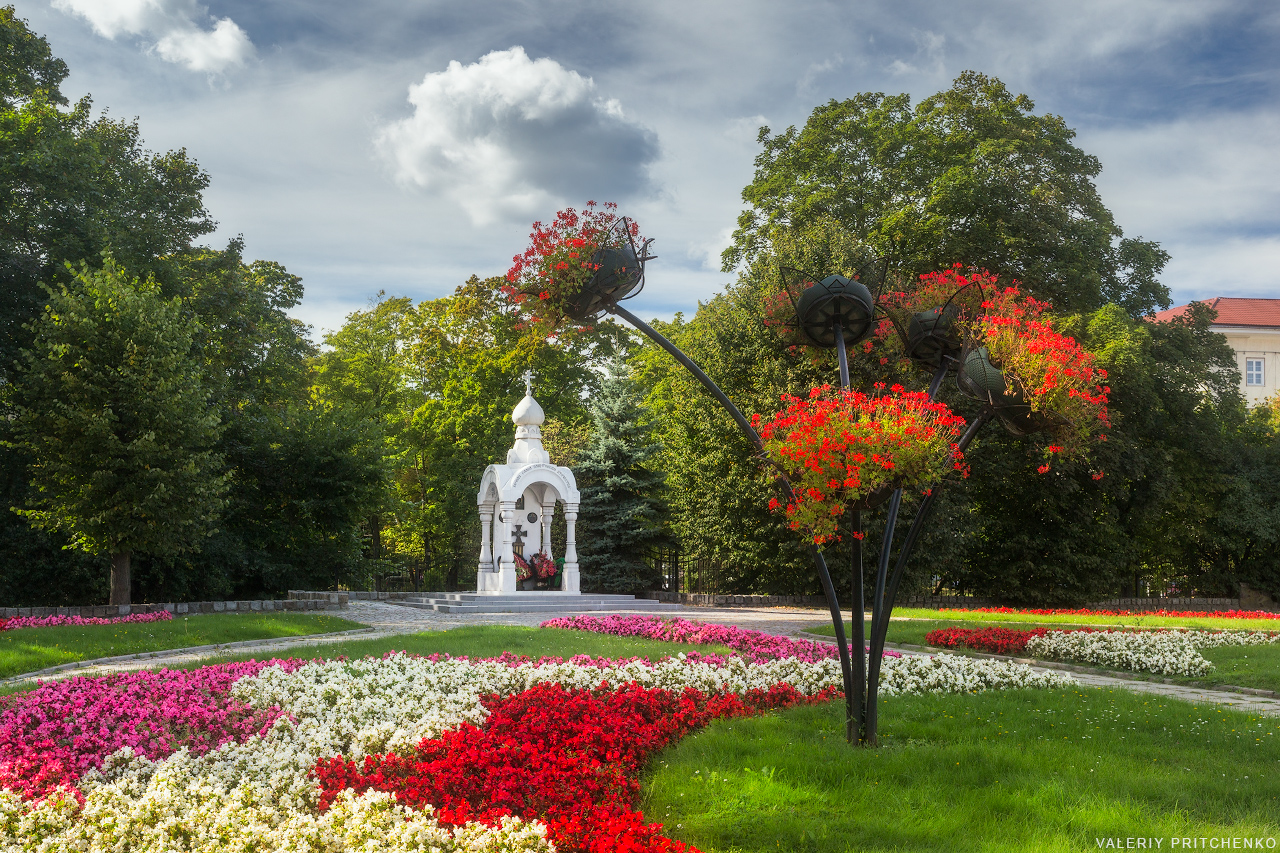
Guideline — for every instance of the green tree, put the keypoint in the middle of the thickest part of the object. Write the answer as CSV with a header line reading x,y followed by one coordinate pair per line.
x,y
72,185
621,511
970,175
115,414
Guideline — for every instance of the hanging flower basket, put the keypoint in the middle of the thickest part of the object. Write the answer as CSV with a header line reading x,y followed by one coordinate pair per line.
x,y
1037,379
931,316
577,266
983,381
848,450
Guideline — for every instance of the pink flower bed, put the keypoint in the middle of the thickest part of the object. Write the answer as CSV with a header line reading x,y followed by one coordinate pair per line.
x,y
53,734
755,646
54,621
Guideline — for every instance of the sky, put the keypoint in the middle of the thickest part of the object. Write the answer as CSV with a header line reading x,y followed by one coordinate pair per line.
x,y
404,145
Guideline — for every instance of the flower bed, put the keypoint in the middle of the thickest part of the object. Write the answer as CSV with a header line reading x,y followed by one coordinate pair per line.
x,y
997,641
504,754
55,621
1160,652
1084,611
1213,639
756,646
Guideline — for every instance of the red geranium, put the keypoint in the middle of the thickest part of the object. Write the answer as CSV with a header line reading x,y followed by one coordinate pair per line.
x,y
841,447
546,281
1050,371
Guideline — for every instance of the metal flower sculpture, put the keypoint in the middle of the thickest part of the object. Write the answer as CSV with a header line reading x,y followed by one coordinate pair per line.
x,y
1004,352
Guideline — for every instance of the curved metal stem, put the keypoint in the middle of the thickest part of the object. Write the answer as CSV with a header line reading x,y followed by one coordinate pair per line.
x,y
842,355
857,622
880,619
882,602
868,737
824,576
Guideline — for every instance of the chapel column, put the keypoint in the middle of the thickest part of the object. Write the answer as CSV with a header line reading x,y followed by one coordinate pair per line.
x,y
486,553
507,581
571,581
547,512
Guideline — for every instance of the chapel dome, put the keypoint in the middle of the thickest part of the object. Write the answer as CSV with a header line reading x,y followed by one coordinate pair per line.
x,y
527,412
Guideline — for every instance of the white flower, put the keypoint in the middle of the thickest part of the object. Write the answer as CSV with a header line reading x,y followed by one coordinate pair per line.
x,y
1160,652
258,795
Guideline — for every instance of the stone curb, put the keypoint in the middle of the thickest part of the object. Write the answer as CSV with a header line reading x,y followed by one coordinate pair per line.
x,y
1072,667
168,653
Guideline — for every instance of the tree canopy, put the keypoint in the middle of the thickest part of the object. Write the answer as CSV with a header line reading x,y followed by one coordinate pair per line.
x,y
970,175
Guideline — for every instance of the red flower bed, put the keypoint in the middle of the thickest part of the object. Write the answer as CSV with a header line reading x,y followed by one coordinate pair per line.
x,y
997,641
569,758
1084,611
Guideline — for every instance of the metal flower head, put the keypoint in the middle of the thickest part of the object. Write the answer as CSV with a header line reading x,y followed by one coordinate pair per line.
x,y
619,271
835,305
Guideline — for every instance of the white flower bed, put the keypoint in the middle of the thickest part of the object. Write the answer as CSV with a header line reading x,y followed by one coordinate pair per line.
x,y
1160,652
1214,639
959,674
258,796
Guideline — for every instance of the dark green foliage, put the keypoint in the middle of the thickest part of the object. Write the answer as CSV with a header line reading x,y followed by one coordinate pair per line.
x,y
620,521
970,175
116,420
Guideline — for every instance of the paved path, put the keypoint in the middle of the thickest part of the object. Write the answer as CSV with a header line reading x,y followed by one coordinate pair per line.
x,y
389,620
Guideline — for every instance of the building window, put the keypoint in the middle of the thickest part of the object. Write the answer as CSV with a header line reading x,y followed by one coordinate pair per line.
x,y
1253,371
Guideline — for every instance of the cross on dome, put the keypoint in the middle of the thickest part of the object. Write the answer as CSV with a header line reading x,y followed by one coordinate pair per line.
x,y
528,382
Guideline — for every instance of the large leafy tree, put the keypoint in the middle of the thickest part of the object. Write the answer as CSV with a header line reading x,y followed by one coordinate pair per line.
x,y
621,514
72,185
116,416
970,175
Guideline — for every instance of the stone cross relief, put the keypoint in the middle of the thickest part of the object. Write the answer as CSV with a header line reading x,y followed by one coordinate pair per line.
x,y
517,539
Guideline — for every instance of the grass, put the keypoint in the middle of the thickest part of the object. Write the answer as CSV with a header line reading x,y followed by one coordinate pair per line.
x,y
30,649
1241,666
1017,770
1136,621
483,641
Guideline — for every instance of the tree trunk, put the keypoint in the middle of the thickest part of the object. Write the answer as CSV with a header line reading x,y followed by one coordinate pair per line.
x,y
120,581
375,537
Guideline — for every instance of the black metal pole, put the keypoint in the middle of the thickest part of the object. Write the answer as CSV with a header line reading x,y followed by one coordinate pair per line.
x,y
868,737
824,576
842,355
857,623
882,601
880,619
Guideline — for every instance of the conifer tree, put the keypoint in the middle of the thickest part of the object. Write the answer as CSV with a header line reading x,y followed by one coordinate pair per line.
x,y
621,514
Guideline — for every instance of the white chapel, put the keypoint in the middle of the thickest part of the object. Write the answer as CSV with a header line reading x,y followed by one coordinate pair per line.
x,y
517,502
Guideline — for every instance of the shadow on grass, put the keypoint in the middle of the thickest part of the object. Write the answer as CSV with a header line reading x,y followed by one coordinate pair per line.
x,y
1017,770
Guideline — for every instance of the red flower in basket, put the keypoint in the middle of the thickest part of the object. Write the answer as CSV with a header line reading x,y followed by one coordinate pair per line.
x,y
846,448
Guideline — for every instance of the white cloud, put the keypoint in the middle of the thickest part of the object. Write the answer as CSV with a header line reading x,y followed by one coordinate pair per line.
x,y
509,137
175,26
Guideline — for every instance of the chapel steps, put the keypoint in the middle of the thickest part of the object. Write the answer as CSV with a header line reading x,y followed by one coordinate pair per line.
x,y
534,602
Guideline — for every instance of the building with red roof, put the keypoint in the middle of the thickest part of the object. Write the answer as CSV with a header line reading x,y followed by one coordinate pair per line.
x,y
1252,328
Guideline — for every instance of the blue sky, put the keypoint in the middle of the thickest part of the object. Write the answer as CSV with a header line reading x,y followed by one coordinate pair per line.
x,y
402,146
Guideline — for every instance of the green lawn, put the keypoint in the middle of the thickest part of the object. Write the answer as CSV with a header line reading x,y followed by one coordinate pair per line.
x,y
1131,621
484,641
1019,770
30,649
1240,666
